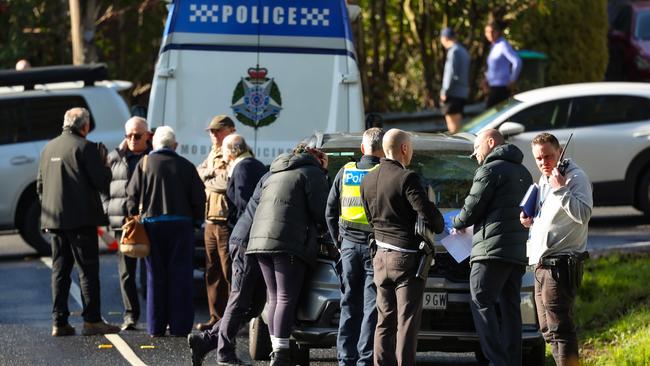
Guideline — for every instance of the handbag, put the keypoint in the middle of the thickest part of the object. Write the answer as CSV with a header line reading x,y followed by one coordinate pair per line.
x,y
134,242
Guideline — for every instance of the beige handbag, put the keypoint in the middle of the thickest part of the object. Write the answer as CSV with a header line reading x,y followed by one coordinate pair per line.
x,y
135,242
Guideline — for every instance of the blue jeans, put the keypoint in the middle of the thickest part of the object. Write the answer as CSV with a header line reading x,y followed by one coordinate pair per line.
x,y
358,311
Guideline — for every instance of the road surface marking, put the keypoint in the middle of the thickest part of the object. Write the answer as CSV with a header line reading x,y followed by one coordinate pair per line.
x,y
115,339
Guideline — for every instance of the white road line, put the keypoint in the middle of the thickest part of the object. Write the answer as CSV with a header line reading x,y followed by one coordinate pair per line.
x,y
119,343
125,350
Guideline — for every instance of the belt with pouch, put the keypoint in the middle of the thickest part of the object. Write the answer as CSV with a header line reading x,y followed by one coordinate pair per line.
x,y
553,261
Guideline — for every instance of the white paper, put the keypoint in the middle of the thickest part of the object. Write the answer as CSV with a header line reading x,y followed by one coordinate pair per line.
x,y
534,252
458,244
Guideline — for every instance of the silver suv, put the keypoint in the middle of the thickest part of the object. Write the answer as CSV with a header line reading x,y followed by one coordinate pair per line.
x,y
32,105
443,163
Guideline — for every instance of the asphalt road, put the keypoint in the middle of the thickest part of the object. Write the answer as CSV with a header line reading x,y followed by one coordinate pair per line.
x,y
25,308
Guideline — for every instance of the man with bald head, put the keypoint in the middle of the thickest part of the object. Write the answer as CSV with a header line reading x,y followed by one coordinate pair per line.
x,y
123,160
393,197
498,259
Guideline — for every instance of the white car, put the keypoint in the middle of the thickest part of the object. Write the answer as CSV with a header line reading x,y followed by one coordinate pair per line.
x,y
32,105
610,123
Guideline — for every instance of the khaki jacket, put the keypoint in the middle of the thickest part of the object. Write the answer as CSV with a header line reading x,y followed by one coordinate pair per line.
x,y
214,174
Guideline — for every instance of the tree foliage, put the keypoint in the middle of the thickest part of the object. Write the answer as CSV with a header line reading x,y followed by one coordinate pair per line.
x,y
399,54
572,33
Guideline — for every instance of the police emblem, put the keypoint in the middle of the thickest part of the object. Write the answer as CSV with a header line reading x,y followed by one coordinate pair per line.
x,y
256,101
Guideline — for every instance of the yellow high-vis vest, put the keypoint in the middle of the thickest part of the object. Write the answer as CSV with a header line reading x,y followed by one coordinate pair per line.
x,y
352,213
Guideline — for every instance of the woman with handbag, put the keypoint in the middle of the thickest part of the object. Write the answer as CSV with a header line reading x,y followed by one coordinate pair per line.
x,y
167,193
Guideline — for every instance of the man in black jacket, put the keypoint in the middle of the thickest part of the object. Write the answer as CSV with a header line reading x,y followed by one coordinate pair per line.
x,y
393,197
72,171
498,256
349,228
123,161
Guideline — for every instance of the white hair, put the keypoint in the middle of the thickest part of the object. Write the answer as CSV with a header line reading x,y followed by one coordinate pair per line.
x,y
164,137
137,121
76,118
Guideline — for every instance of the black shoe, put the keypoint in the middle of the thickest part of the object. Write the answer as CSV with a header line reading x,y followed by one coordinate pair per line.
x,y
195,343
235,362
207,325
281,357
63,330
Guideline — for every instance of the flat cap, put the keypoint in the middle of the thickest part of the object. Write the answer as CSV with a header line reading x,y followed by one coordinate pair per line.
x,y
220,122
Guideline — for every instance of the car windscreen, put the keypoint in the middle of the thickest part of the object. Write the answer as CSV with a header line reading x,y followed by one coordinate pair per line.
x,y
480,121
642,27
449,173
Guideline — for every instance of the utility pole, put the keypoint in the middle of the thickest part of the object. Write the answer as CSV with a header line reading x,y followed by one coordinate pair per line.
x,y
75,31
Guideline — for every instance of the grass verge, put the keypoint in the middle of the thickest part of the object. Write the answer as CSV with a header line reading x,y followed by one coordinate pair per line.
x,y
613,311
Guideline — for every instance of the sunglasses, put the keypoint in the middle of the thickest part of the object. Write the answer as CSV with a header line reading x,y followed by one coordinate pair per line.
x,y
135,136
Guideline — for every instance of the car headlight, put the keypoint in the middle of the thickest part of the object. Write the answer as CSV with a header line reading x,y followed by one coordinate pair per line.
x,y
641,62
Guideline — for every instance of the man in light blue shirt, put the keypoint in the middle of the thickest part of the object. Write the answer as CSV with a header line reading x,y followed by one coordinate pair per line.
x,y
455,80
503,66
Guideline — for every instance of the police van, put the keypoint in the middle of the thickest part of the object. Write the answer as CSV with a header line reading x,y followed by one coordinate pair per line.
x,y
283,69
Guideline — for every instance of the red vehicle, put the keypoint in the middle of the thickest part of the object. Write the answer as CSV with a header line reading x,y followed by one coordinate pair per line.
x,y
629,42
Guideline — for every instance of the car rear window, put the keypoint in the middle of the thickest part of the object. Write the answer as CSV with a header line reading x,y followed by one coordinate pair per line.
x,y
35,118
449,173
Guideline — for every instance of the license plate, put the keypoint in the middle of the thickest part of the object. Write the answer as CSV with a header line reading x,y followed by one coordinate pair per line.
x,y
434,300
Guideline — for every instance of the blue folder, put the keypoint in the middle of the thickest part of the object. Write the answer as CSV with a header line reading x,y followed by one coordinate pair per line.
x,y
529,203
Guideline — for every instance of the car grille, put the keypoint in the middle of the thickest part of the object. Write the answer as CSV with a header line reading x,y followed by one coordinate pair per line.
x,y
447,267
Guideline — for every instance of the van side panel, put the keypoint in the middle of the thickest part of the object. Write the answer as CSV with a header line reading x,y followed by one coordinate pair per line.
x,y
281,68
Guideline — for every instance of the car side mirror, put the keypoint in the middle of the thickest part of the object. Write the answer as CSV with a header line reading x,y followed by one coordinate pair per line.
x,y
508,129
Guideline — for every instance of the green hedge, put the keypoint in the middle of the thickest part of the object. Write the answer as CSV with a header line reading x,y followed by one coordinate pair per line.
x,y
572,33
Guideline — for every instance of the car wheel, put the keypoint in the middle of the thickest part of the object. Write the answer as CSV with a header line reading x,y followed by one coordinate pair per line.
x,y
643,194
30,228
536,356
300,354
259,340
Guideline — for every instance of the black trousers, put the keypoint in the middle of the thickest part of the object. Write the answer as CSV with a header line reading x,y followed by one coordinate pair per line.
x,y
494,283
69,247
496,95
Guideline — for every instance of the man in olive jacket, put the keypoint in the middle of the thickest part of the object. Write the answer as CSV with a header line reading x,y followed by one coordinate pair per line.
x,y
498,256
71,173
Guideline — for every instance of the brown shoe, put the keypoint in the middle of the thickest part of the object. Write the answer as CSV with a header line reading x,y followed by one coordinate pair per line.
x,y
62,330
99,328
207,325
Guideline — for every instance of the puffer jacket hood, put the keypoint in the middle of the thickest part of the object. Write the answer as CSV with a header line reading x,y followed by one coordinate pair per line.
x,y
290,161
507,152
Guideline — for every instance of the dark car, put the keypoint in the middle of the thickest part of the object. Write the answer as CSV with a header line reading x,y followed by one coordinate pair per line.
x,y
629,41
447,325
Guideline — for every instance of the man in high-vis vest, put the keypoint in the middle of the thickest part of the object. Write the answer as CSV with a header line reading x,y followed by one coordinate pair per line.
x,y
349,228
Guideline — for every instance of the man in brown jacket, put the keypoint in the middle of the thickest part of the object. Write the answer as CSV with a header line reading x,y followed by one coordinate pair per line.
x,y
213,172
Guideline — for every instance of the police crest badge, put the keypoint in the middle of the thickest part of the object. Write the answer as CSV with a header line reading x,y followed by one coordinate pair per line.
x,y
256,101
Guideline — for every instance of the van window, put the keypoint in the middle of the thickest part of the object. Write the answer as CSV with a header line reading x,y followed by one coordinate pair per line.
x,y
608,109
37,118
